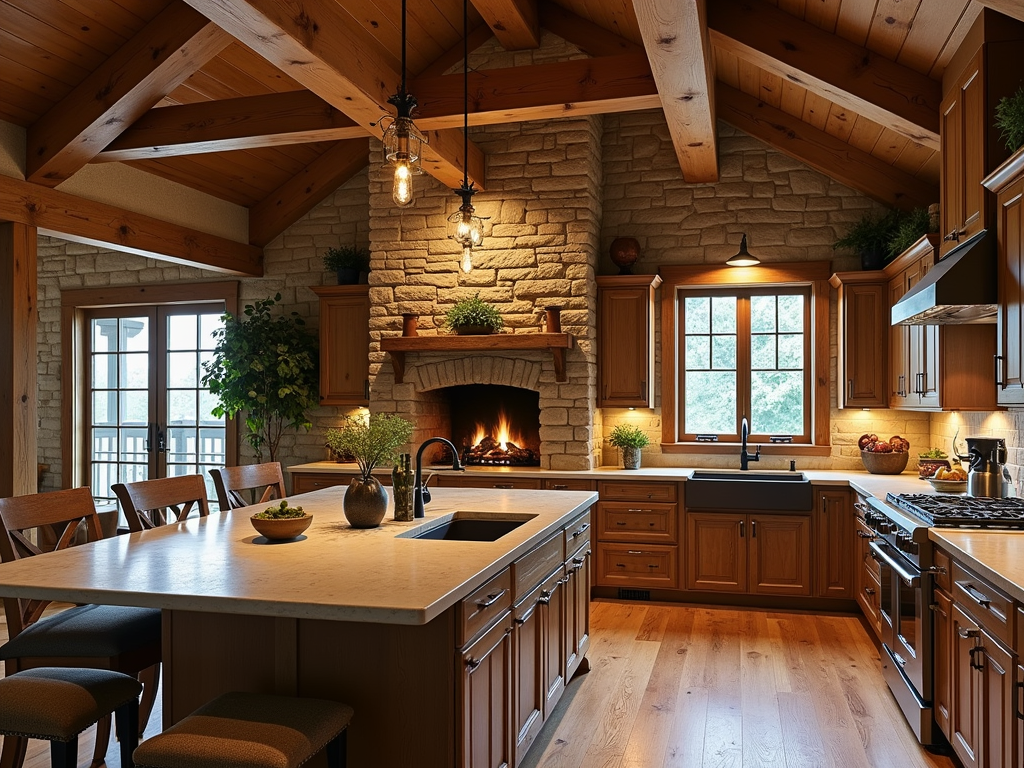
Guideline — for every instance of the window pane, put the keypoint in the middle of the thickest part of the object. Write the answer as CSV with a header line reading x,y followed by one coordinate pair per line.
x,y
181,407
791,351
104,335
723,353
762,352
133,444
104,444
777,402
134,407
134,334
698,352
206,406
181,369
762,314
791,314
710,402
697,314
212,446
104,408
135,371
104,371
182,331
207,325
181,445
723,310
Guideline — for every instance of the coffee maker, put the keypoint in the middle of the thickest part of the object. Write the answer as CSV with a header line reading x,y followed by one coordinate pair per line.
x,y
987,475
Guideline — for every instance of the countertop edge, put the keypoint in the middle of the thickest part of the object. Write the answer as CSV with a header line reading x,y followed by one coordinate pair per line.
x,y
982,568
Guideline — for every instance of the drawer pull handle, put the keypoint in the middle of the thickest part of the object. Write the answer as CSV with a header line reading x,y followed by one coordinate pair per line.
x,y
1016,703
504,486
520,622
545,597
638,510
967,633
653,565
974,663
621,522
472,664
560,487
869,590
563,580
865,535
633,552
976,596
490,600
937,608
861,507
581,530
899,659
620,565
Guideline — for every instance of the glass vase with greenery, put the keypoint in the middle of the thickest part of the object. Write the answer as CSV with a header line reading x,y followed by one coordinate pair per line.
x,y
869,237
267,367
348,261
1010,120
630,440
473,316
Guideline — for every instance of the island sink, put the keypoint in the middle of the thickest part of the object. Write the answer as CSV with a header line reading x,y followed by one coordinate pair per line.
x,y
756,491
468,526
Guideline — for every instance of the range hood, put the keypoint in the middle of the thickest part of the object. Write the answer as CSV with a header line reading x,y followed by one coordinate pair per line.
x,y
960,289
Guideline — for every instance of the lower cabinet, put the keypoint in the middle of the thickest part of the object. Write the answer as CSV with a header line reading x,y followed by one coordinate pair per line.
x,y
486,687
942,688
835,548
577,598
528,652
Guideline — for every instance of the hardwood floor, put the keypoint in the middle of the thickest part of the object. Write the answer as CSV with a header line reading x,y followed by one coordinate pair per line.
x,y
692,687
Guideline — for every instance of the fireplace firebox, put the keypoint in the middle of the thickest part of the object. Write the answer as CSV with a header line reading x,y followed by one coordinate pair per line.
x,y
495,425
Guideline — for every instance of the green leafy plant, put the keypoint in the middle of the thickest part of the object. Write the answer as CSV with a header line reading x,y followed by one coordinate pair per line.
x,y
347,257
371,442
912,227
265,366
1010,120
473,312
628,436
280,512
871,235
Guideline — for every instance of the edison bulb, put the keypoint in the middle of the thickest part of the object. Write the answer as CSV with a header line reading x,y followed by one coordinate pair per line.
x,y
467,259
401,192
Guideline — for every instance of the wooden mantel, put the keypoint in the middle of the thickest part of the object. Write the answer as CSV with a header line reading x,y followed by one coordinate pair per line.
x,y
556,343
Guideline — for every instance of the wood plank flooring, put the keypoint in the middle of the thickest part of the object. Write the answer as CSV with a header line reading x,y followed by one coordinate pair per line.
x,y
696,687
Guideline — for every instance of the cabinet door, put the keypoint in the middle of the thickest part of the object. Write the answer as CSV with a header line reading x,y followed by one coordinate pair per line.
x,y
716,558
486,701
780,554
975,127
344,345
943,664
965,696
1010,371
528,652
951,176
928,352
625,319
865,325
578,607
553,611
997,712
836,549
899,345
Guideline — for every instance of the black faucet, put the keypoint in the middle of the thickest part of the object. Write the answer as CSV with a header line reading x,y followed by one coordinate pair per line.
x,y
745,457
420,493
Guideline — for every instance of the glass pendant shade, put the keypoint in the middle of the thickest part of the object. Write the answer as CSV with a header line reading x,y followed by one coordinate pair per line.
x,y
467,230
403,147
742,257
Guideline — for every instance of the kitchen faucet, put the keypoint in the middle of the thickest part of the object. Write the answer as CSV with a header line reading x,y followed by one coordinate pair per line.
x,y
420,493
745,457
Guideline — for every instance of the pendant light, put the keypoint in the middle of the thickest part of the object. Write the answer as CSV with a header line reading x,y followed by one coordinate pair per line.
x,y
742,257
464,227
403,142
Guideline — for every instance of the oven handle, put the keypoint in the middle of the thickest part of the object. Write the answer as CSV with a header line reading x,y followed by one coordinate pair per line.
x,y
879,554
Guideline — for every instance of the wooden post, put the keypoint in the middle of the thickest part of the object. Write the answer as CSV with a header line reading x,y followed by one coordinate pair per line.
x,y
18,355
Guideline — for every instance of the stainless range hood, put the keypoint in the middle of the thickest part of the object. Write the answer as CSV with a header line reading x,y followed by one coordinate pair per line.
x,y
959,289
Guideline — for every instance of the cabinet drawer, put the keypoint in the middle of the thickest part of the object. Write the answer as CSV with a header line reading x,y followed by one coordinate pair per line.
x,y
869,563
656,523
508,483
984,603
942,561
869,599
569,484
305,483
624,565
636,491
484,606
530,569
577,533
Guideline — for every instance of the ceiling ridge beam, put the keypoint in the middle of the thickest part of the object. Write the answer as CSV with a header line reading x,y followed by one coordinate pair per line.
x,y
453,55
174,45
836,69
76,218
822,151
676,39
589,37
318,44
514,22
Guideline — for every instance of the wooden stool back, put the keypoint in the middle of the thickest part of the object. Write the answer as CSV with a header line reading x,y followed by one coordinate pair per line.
x,y
151,503
230,481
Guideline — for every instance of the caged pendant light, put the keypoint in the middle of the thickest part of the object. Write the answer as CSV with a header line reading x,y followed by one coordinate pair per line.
x,y
464,227
403,141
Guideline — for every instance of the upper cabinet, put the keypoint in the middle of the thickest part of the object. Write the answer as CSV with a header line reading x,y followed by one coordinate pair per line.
x,y
863,339
625,332
344,344
984,69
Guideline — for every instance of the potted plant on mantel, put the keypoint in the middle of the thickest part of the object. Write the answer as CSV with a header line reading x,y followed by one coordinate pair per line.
x,y
348,261
473,316
630,440
371,442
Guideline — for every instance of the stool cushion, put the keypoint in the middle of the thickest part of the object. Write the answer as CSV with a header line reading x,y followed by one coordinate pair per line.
x,y
87,630
58,703
247,730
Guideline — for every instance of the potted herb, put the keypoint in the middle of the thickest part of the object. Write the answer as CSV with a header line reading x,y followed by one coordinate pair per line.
x,y
348,261
912,227
869,238
265,366
1010,120
473,317
371,442
630,440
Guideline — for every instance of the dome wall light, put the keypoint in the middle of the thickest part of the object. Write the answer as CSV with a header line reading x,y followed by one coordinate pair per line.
x,y
742,257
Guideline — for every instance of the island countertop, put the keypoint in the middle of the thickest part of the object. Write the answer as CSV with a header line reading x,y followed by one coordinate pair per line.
x,y
217,563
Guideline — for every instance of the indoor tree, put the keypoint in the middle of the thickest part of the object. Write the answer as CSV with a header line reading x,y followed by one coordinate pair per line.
x,y
266,366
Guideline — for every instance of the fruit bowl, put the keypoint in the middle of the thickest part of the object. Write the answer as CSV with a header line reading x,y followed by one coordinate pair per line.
x,y
282,529
948,486
885,463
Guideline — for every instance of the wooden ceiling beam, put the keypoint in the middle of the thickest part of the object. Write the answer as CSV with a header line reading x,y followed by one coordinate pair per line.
x,y
822,151
1011,8
320,46
153,63
589,37
304,191
831,67
513,22
675,37
453,55
75,218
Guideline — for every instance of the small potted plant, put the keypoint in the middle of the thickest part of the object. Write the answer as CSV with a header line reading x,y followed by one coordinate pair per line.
x,y
1010,120
869,238
348,261
281,521
630,440
912,227
371,442
473,317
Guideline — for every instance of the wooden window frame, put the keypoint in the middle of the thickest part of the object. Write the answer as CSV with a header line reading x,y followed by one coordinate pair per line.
x,y
814,274
75,305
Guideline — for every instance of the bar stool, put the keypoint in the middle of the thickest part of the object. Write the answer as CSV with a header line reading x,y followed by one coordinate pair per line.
x,y
57,703
251,730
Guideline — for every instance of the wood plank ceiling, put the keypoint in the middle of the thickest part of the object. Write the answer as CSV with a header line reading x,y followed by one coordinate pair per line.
x,y
762,70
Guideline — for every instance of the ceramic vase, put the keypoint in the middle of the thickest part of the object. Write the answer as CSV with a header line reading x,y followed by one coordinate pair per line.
x,y
625,252
631,458
365,503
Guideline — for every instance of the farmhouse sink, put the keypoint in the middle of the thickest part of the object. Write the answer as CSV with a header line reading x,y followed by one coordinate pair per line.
x,y
468,526
755,491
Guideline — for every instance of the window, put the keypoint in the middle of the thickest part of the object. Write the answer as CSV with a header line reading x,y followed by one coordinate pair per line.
x,y
745,353
748,342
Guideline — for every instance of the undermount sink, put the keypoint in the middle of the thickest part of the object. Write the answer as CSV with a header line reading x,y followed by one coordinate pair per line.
x,y
468,526
757,491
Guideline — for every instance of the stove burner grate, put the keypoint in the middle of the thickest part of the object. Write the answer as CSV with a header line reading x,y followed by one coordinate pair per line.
x,y
954,511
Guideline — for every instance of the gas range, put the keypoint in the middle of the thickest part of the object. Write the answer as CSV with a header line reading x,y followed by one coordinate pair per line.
x,y
955,511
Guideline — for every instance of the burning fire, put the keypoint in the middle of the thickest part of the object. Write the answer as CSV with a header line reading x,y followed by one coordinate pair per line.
x,y
504,435
501,445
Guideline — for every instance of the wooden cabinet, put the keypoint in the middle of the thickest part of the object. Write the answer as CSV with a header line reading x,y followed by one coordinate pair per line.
x,y
966,696
303,482
764,554
528,651
486,683
553,613
867,572
625,334
462,480
637,537
942,690
344,344
863,339
577,599
835,547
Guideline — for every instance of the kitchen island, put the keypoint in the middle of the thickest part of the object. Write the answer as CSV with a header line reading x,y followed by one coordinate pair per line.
x,y
389,624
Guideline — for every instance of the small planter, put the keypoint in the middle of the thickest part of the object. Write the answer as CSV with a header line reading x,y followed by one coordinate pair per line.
x,y
473,330
348,276
365,503
282,529
631,458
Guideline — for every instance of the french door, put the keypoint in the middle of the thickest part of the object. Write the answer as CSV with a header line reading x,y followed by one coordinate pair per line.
x,y
145,411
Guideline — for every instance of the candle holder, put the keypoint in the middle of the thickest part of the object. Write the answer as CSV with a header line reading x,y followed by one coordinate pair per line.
x,y
553,319
410,323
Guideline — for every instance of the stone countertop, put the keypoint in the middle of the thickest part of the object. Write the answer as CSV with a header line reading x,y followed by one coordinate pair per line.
x,y
994,555
334,572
